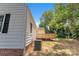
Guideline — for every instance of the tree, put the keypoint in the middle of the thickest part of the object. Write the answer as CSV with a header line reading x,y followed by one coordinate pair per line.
x,y
45,20
64,20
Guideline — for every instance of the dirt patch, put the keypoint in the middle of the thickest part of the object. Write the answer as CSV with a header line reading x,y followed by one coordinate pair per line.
x,y
58,48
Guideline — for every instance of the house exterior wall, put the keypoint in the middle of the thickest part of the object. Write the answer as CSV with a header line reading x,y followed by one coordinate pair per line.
x,y
30,36
15,37
33,30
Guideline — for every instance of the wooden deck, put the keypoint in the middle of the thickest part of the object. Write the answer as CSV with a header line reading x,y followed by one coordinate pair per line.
x,y
46,36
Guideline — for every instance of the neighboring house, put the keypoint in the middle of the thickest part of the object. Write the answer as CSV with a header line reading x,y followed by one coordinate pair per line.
x,y
17,28
40,31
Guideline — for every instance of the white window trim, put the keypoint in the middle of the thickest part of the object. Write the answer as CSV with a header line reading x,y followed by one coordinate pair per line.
x,y
2,24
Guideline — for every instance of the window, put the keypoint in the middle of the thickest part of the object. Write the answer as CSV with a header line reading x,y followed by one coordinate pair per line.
x,y
1,22
6,23
30,27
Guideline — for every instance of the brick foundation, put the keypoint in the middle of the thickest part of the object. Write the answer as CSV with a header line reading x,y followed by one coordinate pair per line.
x,y
11,52
29,49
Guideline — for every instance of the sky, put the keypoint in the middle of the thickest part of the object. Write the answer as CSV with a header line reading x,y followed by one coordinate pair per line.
x,y
37,9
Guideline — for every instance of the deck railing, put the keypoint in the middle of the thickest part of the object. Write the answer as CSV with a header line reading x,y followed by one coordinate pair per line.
x,y
46,36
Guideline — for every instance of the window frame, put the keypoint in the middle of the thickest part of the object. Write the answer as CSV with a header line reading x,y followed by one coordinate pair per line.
x,y
2,22
31,27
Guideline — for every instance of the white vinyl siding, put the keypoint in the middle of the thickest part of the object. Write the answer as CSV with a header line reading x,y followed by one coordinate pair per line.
x,y
19,26
1,21
30,30
16,30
